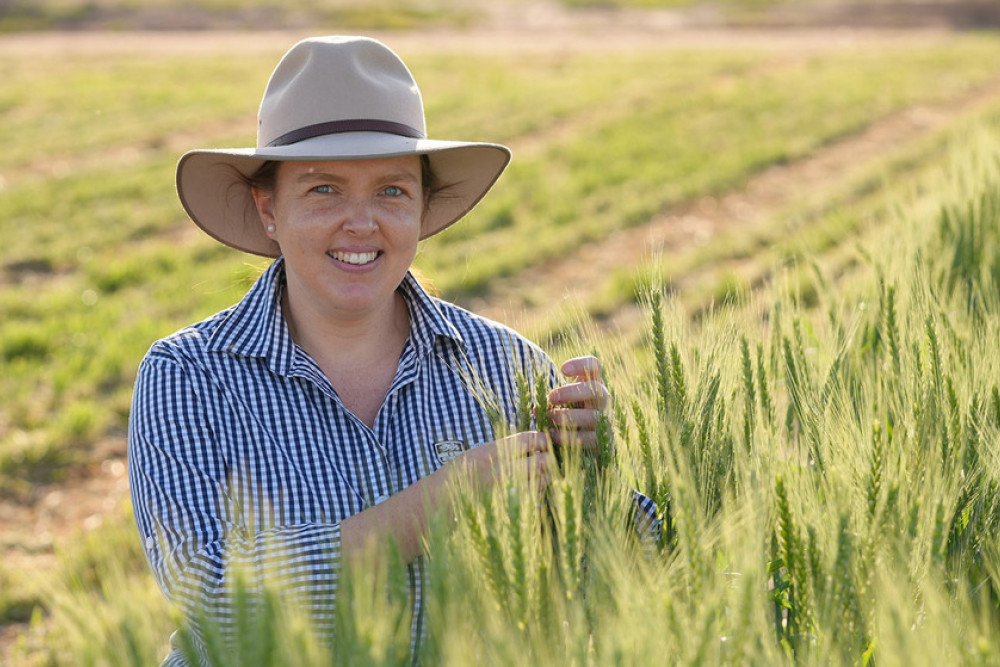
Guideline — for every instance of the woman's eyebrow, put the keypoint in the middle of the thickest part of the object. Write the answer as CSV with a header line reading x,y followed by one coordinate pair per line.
x,y
319,176
324,176
402,176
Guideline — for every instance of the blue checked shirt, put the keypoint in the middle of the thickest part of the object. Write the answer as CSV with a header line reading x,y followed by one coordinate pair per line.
x,y
241,455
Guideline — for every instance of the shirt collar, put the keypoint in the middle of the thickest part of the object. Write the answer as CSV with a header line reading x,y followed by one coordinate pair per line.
x,y
256,326
427,321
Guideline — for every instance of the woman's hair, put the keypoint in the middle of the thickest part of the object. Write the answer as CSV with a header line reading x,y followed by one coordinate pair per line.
x,y
266,178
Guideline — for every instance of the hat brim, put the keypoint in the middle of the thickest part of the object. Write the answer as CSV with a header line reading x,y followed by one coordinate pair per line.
x,y
212,189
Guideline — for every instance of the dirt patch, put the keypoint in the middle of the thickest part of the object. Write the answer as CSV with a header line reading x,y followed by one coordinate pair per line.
x,y
21,270
32,531
951,15
612,37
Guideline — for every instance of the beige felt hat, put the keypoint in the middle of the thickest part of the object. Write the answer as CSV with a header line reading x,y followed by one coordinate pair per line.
x,y
333,98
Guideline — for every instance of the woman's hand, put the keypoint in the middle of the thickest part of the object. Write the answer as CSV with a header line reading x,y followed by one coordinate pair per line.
x,y
404,516
574,411
530,454
575,408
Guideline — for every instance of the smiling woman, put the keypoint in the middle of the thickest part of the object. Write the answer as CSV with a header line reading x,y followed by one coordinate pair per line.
x,y
329,412
348,232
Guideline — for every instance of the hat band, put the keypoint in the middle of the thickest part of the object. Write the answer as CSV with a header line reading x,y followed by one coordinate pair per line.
x,y
350,125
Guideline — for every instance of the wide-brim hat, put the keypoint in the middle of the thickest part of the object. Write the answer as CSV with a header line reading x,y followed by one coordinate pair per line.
x,y
333,98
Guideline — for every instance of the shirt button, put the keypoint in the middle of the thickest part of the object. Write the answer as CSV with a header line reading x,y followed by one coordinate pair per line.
x,y
382,498
149,542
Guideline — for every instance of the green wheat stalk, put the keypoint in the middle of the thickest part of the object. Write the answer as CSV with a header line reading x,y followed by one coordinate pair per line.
x,y
892,327
749,393
524,403
518,563
766,403
877,468
663,378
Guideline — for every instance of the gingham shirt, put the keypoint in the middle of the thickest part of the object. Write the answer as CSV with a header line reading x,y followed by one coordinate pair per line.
x,y
242,455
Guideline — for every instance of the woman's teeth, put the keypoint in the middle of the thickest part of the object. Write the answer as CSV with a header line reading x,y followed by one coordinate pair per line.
x,y
356,258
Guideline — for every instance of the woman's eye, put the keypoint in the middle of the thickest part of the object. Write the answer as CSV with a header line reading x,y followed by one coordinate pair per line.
x,y
393,191
323,189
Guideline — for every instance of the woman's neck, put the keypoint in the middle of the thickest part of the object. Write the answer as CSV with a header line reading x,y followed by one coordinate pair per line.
x,y
348,340
359,356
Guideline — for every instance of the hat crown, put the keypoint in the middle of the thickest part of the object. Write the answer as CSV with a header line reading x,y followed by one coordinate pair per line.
x,y
338,82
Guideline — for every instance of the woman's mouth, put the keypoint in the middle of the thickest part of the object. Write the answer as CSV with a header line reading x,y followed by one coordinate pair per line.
x,y
354,258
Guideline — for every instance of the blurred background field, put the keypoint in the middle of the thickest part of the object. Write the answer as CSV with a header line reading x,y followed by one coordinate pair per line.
x,y
18,15
750,177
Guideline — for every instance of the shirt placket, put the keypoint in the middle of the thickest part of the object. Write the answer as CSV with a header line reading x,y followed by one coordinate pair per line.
x,y
371,473
382,485
405,374
380,482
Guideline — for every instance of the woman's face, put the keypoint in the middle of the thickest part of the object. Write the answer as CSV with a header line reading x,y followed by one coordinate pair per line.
x,y
348,231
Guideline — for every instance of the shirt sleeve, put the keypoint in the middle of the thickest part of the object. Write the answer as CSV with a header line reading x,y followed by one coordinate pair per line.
x,y
646,523
194,538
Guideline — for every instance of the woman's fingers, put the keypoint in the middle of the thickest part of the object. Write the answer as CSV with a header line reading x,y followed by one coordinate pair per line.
x,y
587,394
577,407
585,440
525,443
532,456
539,466
529,453
575,419
582,368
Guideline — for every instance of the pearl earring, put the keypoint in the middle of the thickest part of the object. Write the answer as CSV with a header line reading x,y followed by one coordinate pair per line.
x,y
270,228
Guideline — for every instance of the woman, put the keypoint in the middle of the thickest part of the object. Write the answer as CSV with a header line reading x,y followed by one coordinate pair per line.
x,y
318,415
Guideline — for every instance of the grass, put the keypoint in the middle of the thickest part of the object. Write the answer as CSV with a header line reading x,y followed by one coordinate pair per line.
x,y
822,226
691,141
819,226
74,108
22,15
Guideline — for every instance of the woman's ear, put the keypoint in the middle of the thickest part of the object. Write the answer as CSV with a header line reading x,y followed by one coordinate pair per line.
x,y
264,201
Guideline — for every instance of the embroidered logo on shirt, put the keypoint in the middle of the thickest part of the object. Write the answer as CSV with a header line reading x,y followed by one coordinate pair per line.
x,y
449,449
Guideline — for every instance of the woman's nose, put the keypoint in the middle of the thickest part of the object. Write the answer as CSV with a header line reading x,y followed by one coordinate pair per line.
x,y
360,218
